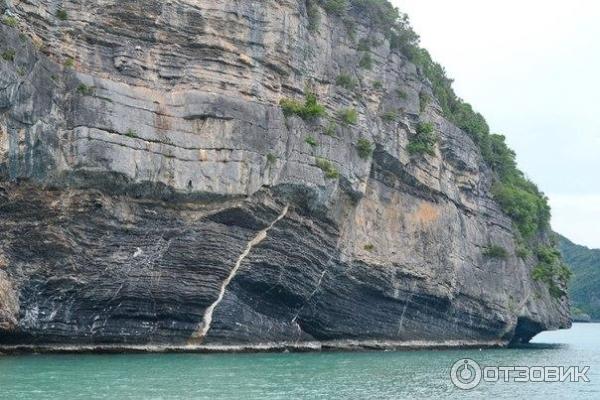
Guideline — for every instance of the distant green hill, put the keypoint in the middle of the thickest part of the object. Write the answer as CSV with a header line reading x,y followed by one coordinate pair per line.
x,y
585,285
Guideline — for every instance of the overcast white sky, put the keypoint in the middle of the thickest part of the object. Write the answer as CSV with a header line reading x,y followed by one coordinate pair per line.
x,y
532,68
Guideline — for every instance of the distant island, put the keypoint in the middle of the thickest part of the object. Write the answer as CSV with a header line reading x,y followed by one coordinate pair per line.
x,y
584,289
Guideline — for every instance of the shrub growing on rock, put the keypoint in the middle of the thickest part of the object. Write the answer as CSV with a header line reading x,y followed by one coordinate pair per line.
x,y
314,16
389,116
85,90
8,55
345,81
330,129
349,116
62,15
364,148
327,167
366,61
364,44
423,141
401,94
310,109
495,251
552,271
424,100
527,207
10,21
311,141
336,7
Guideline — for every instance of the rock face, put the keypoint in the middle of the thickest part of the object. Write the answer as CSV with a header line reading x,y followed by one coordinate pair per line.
x,y
153,193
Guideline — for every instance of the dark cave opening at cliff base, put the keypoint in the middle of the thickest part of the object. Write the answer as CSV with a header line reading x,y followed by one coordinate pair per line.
x,y
525,331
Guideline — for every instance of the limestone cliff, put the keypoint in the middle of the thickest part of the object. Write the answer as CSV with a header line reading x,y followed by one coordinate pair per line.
x,y
152,192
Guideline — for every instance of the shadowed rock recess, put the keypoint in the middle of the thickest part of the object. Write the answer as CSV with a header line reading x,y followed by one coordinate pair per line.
x,y
154,196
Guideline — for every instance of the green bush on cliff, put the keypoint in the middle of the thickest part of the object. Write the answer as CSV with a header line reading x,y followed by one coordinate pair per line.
x,y
330,129
364,44
424,101
85,90
366,61
327,167
529,210
423,141
62,15
310,109
382,15
345,81
10,21
8,55
495,251
131,133
519,197
552,271
389,116
314,15
349,116
333,7
336,7
311,141
364,148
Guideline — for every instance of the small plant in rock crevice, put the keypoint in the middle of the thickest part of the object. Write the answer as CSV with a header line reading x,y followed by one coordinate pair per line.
x,y
62,15
85,90
346,81
389,116
349,116
328,168
10,21
330,129
495,251
423,141
364,148
311,141
131,133
366,61
9,55
308,110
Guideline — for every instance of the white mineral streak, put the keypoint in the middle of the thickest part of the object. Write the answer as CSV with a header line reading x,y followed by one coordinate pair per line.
x,y
208,314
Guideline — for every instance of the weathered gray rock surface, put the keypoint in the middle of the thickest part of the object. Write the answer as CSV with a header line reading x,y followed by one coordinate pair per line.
x,y
153,193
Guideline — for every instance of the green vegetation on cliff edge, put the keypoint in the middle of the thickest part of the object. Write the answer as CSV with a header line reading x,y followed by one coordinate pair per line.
x,y
518,196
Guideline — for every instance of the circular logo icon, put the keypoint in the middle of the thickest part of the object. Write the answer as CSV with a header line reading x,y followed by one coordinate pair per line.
x,y
465,374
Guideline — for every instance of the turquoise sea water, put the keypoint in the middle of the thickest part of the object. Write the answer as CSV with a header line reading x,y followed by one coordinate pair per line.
x,y
367,375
